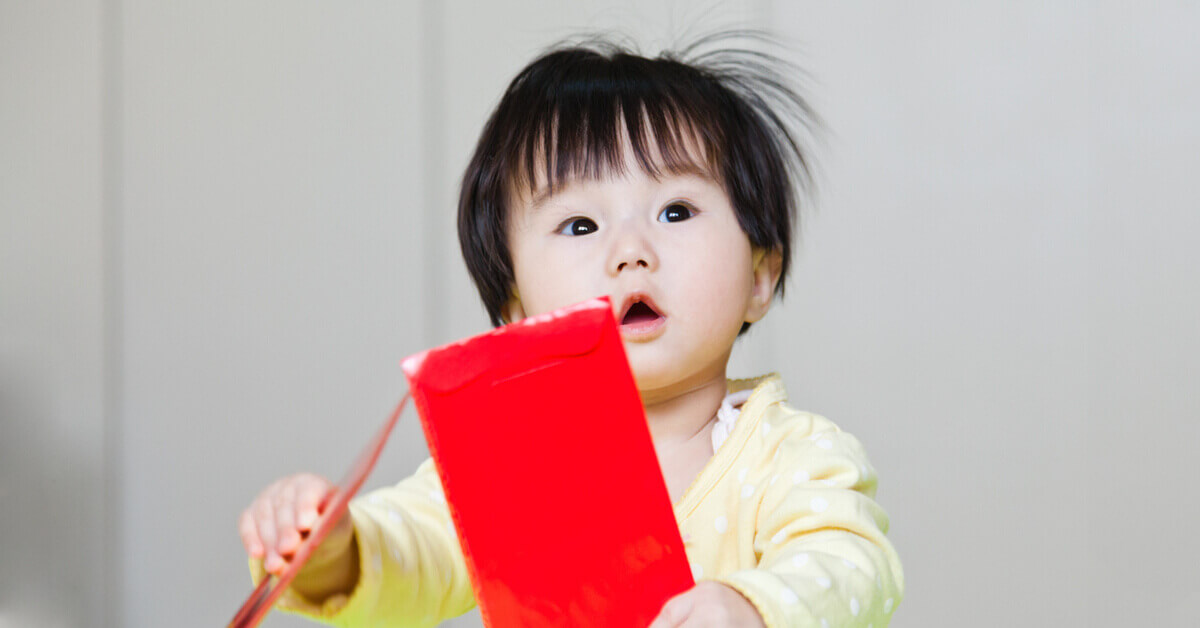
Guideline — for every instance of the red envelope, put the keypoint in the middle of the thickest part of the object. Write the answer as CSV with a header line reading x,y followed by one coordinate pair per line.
x,y
540,440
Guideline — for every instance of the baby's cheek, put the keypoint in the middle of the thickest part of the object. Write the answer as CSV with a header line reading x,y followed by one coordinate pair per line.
x,y
545,300
552,294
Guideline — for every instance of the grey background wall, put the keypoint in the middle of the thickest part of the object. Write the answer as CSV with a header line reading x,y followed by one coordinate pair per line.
x,y
222,224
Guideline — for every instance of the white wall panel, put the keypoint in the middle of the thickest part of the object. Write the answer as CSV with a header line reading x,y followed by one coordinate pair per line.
x,y
994,296
53,514
273,259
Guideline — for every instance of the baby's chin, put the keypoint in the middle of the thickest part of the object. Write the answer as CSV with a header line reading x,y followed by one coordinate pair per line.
x,y
660,379
646,373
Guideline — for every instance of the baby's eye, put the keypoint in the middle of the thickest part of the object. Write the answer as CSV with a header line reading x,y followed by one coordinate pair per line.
x,y
578,227
676,212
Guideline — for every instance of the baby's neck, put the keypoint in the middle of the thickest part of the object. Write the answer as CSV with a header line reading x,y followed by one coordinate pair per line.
x,y
680,416
681,426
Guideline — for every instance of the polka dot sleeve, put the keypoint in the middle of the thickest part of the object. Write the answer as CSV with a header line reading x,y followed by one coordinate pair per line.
x,y
824,559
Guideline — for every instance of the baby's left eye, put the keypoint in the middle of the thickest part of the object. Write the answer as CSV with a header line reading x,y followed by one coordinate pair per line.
x,y
676,212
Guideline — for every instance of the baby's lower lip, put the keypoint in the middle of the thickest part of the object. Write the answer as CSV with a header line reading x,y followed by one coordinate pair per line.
x,y
644,329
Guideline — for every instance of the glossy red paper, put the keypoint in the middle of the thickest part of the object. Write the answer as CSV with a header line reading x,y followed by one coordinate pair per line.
x,y
541,443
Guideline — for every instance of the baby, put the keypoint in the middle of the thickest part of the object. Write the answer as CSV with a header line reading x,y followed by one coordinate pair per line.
x,y
666,184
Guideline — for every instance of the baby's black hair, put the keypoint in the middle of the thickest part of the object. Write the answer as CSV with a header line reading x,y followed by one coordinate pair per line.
x,y
563,112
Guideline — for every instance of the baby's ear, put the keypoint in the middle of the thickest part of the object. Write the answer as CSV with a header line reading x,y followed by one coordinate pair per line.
x,y
767,266
512,310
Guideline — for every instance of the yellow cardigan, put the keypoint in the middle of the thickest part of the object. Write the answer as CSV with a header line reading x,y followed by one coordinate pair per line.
x,y
783,512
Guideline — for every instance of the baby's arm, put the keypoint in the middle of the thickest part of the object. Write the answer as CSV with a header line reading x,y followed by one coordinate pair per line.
x,y
409,569
824,556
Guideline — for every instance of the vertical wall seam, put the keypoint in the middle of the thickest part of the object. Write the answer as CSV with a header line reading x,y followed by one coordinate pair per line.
x,y
112,294
434,257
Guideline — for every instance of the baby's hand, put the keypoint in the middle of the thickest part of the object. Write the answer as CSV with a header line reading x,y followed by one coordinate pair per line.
x,y
708,604
274,524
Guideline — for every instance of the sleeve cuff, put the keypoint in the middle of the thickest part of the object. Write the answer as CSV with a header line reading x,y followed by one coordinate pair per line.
x,y
290,601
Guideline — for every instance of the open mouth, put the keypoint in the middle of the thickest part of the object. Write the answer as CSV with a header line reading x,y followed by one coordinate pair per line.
x,y
640,315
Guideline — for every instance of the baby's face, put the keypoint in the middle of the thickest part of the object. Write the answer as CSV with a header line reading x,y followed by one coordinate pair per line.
x,y
670,255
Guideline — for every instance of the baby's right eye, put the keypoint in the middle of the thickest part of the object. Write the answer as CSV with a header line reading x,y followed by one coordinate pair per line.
x,y
578,227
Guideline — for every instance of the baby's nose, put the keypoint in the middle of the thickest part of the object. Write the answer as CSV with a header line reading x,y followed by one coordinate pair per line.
x,y
631,251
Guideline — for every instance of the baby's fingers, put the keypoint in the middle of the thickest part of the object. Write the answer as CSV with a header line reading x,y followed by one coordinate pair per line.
x,y
310,493
676,611
249,534
285,520
264,518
